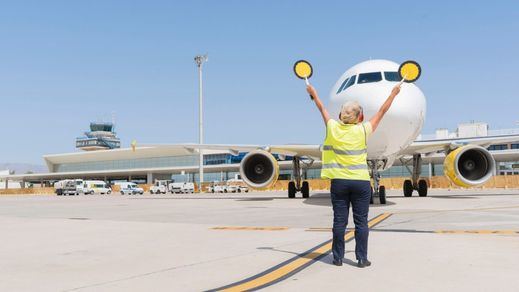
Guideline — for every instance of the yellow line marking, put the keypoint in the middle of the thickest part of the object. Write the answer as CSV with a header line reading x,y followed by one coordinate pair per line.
x,y
250,228
324,229
507,232
291,266
457,210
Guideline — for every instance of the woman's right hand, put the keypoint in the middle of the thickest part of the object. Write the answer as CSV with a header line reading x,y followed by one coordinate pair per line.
x,y
311,90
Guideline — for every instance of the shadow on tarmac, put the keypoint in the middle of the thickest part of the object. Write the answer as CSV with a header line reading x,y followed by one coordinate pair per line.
x,y
327,259
323,199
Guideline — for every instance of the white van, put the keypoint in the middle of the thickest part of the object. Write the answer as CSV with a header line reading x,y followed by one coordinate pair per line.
x,y
160,187
181,187
96,187
130,188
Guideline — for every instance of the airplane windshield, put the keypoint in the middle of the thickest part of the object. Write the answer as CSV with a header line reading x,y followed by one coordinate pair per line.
x,y
343,84
370,77
347,83
392,76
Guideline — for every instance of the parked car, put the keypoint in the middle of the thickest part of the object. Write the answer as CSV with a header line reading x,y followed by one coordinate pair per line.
x,y
130,188
215,187
160,187
230,188
96,187
236,186
243,189
181,187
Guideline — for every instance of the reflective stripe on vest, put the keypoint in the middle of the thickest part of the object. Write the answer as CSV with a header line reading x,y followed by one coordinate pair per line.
x,y
345,152
351,167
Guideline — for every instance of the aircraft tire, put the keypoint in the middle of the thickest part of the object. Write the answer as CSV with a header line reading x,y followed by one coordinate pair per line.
x,y
408,188
305,190
382,194
422,188
291,190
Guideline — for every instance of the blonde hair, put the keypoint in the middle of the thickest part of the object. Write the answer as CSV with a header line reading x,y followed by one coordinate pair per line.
x,y
350,112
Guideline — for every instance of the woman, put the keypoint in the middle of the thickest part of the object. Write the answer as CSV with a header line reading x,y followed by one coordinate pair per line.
x,y
344,162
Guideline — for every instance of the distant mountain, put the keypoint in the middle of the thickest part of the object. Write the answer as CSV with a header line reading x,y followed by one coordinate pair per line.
x,y
21,168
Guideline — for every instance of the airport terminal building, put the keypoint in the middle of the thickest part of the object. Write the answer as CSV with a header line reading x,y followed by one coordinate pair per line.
x,y
146,164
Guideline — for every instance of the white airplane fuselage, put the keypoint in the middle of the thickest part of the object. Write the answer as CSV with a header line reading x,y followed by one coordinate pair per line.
x,y
403,122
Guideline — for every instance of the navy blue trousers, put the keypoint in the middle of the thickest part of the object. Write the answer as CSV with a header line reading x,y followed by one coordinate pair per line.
x,y
357,193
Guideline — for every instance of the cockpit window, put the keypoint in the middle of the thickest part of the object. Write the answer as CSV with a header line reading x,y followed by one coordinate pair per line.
x,y
370,77
392,76
347,83
350,82
342,85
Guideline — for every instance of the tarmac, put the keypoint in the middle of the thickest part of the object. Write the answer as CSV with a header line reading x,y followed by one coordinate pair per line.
x,y
450,241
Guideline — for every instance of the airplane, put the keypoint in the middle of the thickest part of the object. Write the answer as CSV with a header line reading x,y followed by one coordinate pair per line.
x,y
467,162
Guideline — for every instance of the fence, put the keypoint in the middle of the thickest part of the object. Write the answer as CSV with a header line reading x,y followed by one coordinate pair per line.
x,y
394,183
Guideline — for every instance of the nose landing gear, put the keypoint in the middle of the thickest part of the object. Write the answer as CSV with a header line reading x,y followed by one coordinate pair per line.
x,y
378,191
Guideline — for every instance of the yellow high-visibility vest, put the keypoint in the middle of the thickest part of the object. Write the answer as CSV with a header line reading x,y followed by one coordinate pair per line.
x,y
345,152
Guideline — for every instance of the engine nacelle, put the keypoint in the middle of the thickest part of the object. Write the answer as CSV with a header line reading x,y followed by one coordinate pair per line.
x,y
259,169
469,166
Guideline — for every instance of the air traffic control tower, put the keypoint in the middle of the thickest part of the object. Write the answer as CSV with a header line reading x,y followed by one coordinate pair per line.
x,y
100,137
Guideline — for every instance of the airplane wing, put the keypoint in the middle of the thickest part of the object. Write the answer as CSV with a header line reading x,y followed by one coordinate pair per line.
x,y
314,150
499,156
303,150
432,146
311,151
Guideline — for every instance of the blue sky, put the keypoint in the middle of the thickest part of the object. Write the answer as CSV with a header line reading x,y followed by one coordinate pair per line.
x,y
66,63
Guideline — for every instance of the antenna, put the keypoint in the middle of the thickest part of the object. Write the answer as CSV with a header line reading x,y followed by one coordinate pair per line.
x,y
113,121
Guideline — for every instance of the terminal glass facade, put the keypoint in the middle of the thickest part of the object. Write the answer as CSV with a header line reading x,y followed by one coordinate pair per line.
x,y
153,162
167,161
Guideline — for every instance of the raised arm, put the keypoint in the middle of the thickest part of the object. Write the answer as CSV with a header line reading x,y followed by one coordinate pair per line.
x,y
375,120
324,113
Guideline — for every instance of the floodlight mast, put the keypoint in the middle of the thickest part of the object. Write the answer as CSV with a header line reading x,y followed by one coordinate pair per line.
x,y
199,60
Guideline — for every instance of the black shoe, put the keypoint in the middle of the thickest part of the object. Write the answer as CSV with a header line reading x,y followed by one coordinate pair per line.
x,y
337,263
363,263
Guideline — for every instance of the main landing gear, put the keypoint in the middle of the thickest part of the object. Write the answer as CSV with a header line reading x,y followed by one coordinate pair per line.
x,y
377,192
297,185
415,183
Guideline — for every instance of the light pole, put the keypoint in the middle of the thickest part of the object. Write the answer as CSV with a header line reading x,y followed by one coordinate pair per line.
x,y
199,60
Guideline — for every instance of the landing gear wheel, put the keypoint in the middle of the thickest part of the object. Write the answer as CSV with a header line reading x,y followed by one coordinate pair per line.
x,y
422,188
382,194
408,188
305,190
291,190
371,197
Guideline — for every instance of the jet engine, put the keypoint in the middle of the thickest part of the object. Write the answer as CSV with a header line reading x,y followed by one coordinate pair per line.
x,y
259,169
469,166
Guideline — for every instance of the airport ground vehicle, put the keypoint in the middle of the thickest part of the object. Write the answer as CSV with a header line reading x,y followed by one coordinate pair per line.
x,y
91,187
236,186
181,187
160,187
68,187
216,187
243,189
130,188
